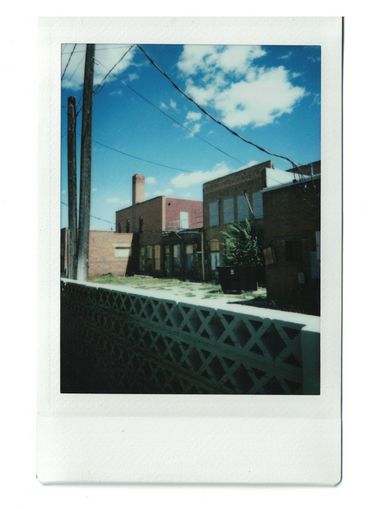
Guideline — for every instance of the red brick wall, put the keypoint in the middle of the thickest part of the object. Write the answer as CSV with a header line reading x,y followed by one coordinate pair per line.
x,y
292,213
152,212
102,259
173,208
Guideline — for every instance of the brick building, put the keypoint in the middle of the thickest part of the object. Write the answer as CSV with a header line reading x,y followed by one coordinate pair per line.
x,y
154,250
109,252
232,199
291,222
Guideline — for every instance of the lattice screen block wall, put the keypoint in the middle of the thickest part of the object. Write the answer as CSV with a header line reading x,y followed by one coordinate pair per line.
x,y
118,342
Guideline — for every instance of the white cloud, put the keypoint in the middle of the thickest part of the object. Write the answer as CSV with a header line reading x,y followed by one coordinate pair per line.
x,y
296,74
113,199
133,76
104,61
193,115
151,180
251,163
243,93
210,59
172,105
198,177
116,92
194,129
286,56
259,102
162,192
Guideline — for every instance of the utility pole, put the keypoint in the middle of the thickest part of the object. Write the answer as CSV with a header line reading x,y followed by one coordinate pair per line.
x,y
72,190
85,171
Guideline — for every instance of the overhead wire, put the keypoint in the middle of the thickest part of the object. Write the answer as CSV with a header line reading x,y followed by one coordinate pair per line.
x,y
205,112
173,119
91,215
67,64
138,158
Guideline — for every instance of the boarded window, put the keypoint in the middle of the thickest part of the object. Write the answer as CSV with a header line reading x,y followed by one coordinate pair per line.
x,y
214,213
243,209
122,252
157,256
214,245
127,226
184,219
228,210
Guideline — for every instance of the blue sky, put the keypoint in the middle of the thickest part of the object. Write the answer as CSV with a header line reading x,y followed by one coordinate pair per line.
x,y
269,94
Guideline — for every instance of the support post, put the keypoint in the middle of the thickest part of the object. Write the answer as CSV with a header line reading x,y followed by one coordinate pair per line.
x,y
72,190
85,172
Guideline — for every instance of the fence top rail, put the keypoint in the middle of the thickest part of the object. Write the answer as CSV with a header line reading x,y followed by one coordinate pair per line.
x,y
309,323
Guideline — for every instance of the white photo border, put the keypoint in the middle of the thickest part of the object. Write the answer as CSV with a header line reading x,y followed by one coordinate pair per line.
x,y
183,438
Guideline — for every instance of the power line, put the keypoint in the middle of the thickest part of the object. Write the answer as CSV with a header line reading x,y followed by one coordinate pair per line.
x,y
205,112
138,157
116,46
66,67
173,119
94,217
101,85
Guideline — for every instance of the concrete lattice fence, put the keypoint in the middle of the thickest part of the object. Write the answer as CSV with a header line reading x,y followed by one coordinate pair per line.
x,y
116,341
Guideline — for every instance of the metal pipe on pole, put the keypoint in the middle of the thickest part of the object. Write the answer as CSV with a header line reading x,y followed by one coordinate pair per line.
x,y
85,169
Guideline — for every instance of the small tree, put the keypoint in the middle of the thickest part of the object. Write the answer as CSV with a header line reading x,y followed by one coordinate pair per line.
x,y
241,245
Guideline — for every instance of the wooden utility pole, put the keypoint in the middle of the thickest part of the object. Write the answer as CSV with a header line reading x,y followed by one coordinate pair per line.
x,y
85,171
72,190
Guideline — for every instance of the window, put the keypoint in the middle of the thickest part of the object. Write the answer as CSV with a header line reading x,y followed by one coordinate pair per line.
x,y
167,260
176,258
215,260
214,213
157,256
127,226
140,224
149,259
189,255
258,205
184,219
122,252
142,259
228,210
243,208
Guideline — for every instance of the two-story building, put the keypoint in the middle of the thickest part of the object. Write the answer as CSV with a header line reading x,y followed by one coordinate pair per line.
x,y
166,233
232,199
292,243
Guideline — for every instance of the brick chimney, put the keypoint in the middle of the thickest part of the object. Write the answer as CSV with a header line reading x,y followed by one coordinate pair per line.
x,y
137,188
